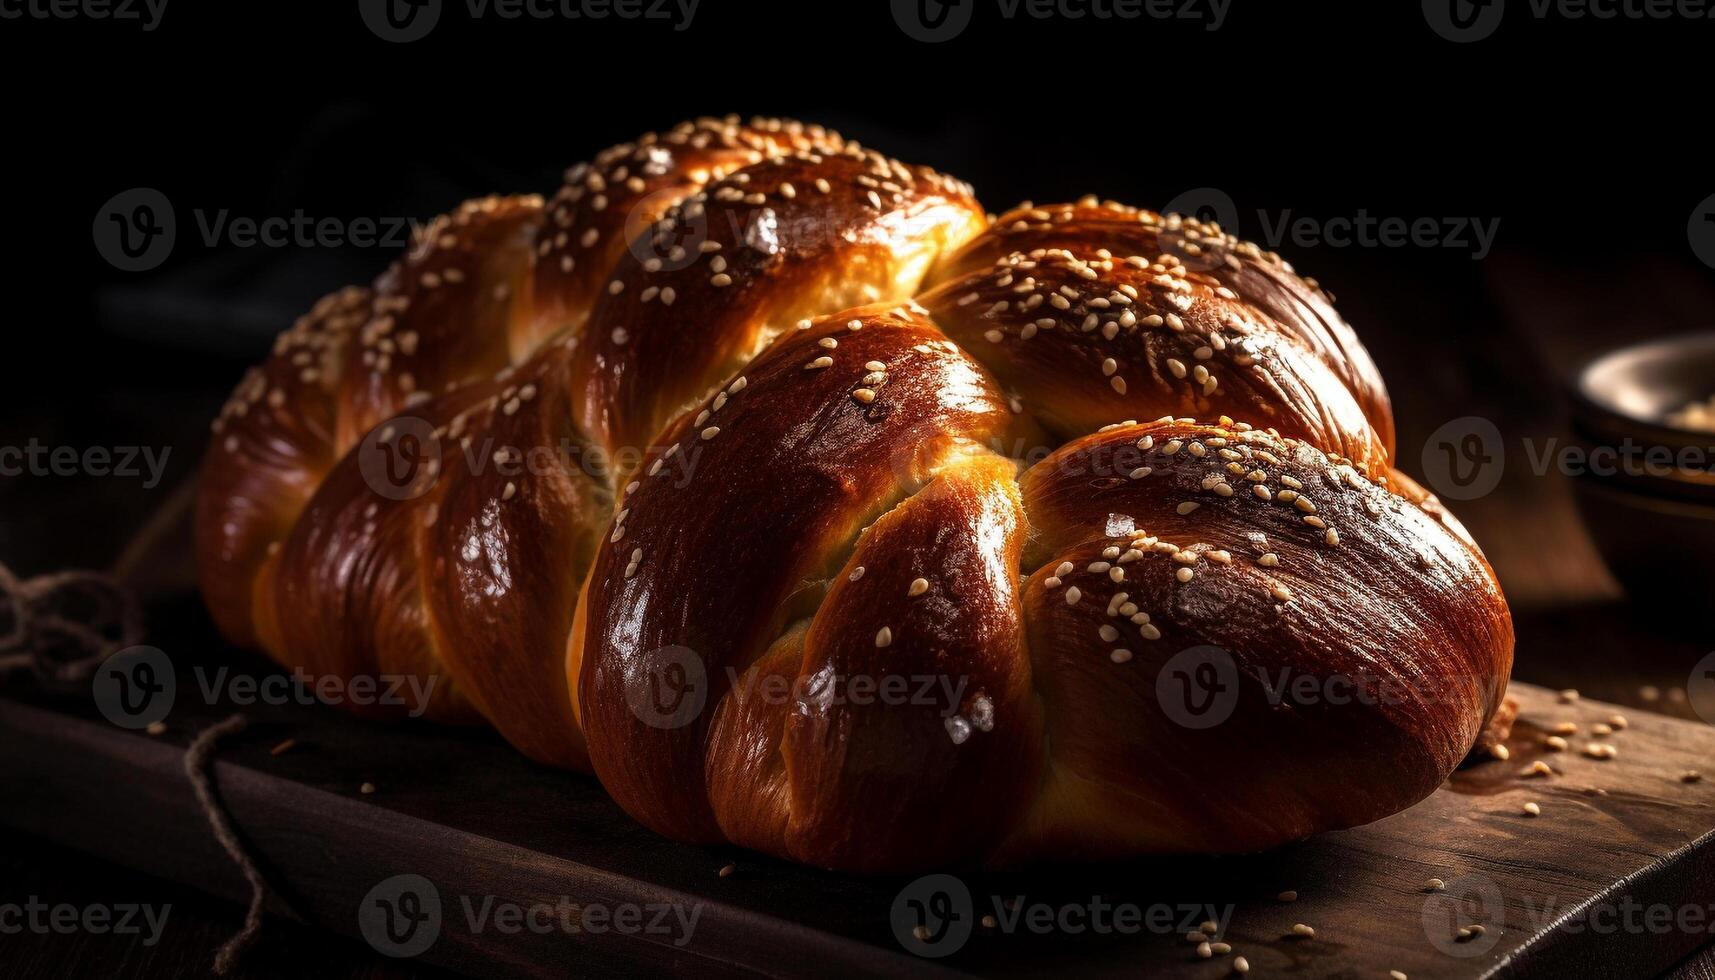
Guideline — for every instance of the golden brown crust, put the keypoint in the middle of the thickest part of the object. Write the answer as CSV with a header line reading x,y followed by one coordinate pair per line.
x,y
442,313
763,249
603,474
520,486
738,523
1178,536
1202,253
1084,339
273,443
607,204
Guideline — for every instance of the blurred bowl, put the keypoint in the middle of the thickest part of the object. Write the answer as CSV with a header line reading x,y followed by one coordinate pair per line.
x,y
1646,488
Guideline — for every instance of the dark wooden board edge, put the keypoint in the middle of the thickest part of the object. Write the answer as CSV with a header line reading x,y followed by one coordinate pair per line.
x,y
1682,878
159,829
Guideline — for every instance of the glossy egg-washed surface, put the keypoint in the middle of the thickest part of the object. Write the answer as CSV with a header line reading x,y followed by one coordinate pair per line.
x,y
771,482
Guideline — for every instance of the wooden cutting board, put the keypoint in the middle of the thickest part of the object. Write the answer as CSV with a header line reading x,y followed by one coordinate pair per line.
x,y
1579,890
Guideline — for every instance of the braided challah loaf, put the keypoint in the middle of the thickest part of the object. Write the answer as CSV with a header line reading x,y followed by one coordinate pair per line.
x,y
770,481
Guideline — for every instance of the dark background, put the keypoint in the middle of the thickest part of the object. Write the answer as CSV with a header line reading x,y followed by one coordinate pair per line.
x,y
1587,139
1583,137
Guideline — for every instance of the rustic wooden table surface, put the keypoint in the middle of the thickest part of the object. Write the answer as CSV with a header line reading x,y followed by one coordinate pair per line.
x,y
1496,339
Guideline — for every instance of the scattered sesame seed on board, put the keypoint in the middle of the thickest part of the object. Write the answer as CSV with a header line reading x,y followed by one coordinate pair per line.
x,y
727,870
1287,896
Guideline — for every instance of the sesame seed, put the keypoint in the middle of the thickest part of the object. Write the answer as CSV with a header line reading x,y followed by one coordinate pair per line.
x,y
918,587
819,363
1073,595
1120,656
1187,507
1533,809
883,637
1435,885
1287,896
1555,743
864,395
1184,575
1300,929
1241,965
711,432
